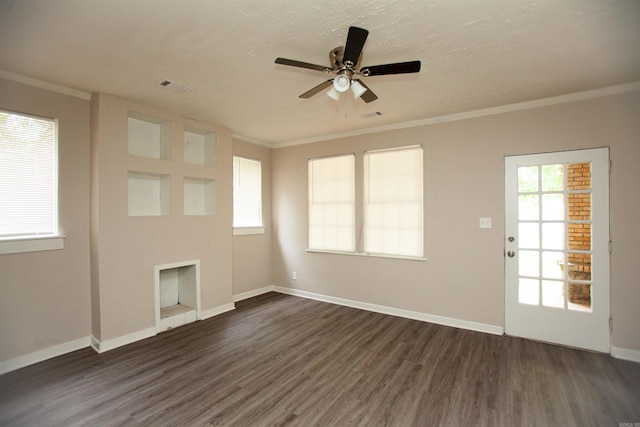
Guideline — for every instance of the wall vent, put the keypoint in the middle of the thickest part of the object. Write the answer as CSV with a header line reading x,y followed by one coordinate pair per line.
x,y
175,87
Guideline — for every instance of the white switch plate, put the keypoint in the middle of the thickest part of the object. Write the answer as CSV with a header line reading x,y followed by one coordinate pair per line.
x,y
485,222
294,276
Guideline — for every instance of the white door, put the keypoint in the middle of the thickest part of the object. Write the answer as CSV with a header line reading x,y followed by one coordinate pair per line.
x,y
557,248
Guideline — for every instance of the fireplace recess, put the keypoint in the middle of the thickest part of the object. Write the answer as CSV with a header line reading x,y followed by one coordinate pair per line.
x,y
177,290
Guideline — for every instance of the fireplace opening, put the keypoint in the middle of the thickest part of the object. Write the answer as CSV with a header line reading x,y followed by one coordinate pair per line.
x,y
177,294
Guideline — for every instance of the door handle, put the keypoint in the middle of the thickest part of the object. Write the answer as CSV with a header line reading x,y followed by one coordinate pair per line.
x,y
511,254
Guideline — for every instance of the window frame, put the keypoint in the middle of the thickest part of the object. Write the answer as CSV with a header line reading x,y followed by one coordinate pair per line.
x,y
359,208
35,242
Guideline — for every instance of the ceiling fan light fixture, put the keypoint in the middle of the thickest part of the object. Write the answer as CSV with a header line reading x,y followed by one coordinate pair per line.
x,y
341,83
334,94
357,89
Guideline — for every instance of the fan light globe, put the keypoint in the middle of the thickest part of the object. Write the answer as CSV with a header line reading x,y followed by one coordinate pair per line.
x,y
357,89
334,94
341,83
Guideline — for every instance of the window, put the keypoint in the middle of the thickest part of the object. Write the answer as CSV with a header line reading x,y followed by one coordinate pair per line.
x,y
393,202
332,203
28,180
390,209
247,196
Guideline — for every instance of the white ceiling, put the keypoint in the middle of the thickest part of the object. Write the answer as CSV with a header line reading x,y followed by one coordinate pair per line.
x,y
475,54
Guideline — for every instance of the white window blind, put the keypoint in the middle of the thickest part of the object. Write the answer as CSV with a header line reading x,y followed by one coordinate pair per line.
x,y
28,176
247,192
394,202
332,203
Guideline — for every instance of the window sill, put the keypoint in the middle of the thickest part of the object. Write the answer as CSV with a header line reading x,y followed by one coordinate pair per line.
x,y
363,254
31,244
245,231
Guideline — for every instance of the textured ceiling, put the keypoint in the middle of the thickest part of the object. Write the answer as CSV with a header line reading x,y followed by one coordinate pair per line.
x,y
475,54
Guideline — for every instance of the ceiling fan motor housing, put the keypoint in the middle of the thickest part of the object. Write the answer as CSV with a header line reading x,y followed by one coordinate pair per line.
x,y
336,59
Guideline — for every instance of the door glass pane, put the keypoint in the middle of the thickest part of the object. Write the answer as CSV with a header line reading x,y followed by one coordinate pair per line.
x,y
553,235
579,176
579,266
553,293
579,297
553,265
528,292
529,263
552,177
579,206
528,207
553,207
527,179
529,235
579,238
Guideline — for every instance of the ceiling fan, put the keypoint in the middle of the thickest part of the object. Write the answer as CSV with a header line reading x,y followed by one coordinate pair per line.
x,y
345,63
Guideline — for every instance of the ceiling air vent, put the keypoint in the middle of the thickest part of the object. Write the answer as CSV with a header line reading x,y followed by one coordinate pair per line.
x,y
175,87
374,114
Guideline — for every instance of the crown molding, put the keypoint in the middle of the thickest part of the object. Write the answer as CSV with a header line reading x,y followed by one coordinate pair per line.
x,y
251,140
527,105
7,75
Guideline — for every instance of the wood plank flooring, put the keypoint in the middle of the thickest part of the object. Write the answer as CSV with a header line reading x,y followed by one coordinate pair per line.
x,y
284,360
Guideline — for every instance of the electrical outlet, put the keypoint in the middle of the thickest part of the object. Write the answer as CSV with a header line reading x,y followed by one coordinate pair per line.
x,y
485,222
294,276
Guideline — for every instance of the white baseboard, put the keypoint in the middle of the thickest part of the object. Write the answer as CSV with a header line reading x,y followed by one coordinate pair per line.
x,y
440,320
102,346
42,355
253,293
205,314
625,354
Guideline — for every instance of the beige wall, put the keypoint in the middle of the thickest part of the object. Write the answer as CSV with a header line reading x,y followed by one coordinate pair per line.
x,y
125,249
252,260
45,296
464,180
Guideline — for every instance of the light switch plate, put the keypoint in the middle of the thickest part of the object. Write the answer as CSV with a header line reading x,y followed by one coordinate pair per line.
x,y
485,222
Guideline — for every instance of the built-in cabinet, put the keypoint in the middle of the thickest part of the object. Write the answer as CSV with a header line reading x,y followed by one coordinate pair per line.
x,y
149,193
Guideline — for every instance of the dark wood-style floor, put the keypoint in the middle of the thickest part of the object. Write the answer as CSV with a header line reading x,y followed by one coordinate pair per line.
x,y
279,360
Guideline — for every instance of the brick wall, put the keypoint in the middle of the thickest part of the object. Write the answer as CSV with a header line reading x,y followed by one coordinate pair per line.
x,y
579,235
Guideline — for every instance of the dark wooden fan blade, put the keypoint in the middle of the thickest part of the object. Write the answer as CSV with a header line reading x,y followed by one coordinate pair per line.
x,y
294,63
396,68
368,96
319,88
355,43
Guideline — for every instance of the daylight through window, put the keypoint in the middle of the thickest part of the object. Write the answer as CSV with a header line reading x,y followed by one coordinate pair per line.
x,y
332,203
390,209
393,202
247,192
28,176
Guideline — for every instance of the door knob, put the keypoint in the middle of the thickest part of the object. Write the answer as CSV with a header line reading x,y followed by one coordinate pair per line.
x,y
511,254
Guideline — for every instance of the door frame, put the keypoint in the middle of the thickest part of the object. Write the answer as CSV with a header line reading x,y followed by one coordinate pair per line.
x,y
600,337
